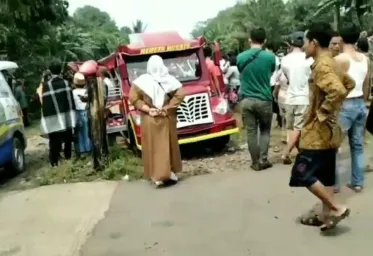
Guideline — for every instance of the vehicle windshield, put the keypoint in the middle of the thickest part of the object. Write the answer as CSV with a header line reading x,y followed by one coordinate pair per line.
x,y
183,65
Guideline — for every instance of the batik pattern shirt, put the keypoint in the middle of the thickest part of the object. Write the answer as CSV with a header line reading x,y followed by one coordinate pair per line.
x,y
329,86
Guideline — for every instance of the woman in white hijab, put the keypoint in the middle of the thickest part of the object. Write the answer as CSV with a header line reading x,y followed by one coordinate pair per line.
x,y
157,95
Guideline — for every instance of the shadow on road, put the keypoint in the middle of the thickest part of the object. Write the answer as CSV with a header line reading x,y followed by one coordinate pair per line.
x,y
338,231
199,150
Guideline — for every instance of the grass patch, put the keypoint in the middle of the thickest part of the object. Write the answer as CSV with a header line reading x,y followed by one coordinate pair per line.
x,y
121,162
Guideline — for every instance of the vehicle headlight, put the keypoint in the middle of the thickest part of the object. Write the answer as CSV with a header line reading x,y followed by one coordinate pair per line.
x,y
136,119
222,107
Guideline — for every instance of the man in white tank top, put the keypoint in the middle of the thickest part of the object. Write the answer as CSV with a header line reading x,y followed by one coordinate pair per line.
x,y
352,115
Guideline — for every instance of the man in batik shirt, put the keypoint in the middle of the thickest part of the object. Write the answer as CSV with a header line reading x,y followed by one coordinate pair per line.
x,y
321,135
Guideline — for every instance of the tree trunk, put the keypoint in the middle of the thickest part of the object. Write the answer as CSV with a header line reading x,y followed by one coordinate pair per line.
x,y
97,122
337,16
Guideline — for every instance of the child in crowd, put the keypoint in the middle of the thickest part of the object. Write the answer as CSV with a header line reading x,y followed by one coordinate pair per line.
x,y
83,142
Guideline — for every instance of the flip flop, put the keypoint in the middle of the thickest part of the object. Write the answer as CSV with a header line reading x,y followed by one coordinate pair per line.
x,y
357,189
332,221
158,184
286,160
313,221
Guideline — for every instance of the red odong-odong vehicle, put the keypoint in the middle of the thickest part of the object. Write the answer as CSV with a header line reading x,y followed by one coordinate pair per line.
x,y
204,115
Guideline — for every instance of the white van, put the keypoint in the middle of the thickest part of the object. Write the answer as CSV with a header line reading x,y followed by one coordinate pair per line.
x,y
12,133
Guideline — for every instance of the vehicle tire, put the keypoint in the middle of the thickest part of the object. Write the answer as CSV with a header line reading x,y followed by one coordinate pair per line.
x,y
218,144
18,162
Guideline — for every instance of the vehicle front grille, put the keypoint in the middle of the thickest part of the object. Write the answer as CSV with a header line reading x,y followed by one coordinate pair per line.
x,y
194,110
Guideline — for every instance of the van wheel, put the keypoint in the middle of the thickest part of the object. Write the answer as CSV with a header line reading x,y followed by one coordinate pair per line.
x,y
18,162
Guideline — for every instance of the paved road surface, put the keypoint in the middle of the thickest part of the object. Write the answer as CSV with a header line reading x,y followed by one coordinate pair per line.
x,y
51,220
234,213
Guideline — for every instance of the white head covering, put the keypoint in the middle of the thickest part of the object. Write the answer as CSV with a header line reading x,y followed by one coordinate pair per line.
x,y
157,82
79,79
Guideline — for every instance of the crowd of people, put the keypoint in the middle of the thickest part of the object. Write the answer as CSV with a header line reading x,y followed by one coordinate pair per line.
x,y
320,89
64,111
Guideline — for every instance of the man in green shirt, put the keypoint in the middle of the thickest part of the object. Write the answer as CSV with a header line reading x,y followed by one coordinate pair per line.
x,y
20,95
256,67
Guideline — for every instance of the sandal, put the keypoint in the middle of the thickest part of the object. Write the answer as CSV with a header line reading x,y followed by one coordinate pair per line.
x,y
357,189
256,167
313,221
286,160
158,184
169,183
332,221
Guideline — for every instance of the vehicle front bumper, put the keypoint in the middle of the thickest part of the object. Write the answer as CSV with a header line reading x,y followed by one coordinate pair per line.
x,y
222,127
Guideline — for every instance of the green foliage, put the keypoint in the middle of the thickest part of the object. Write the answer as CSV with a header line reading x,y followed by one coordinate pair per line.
x,y
345,10
121,162
32,32
138,27
231,27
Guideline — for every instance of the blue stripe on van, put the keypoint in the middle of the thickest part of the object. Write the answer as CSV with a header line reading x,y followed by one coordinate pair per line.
x,y
6,150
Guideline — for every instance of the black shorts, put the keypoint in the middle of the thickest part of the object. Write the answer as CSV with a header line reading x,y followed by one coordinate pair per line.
x,y
314,165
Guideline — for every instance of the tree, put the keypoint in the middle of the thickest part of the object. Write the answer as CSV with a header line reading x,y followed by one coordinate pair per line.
x,y
35,31
301,13
269,14
345,8
138,26
101,29
91,18
231,26
126,30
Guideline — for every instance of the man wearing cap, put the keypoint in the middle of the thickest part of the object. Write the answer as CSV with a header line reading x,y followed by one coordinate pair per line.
x,y
296,68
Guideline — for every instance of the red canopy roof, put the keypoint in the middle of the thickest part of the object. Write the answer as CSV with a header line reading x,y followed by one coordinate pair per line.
x,y
151,43
158,42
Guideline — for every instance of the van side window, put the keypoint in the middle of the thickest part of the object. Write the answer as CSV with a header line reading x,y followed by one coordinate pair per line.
x,y
5,90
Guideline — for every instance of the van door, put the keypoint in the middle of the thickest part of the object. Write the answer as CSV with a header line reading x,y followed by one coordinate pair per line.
x,y
10,121
8,102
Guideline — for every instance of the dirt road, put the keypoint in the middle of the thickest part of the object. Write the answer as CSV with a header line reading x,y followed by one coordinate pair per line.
x,y
196,161
233,213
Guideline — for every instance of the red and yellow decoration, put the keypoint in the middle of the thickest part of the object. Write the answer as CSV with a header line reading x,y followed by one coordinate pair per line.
x,y
168,48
